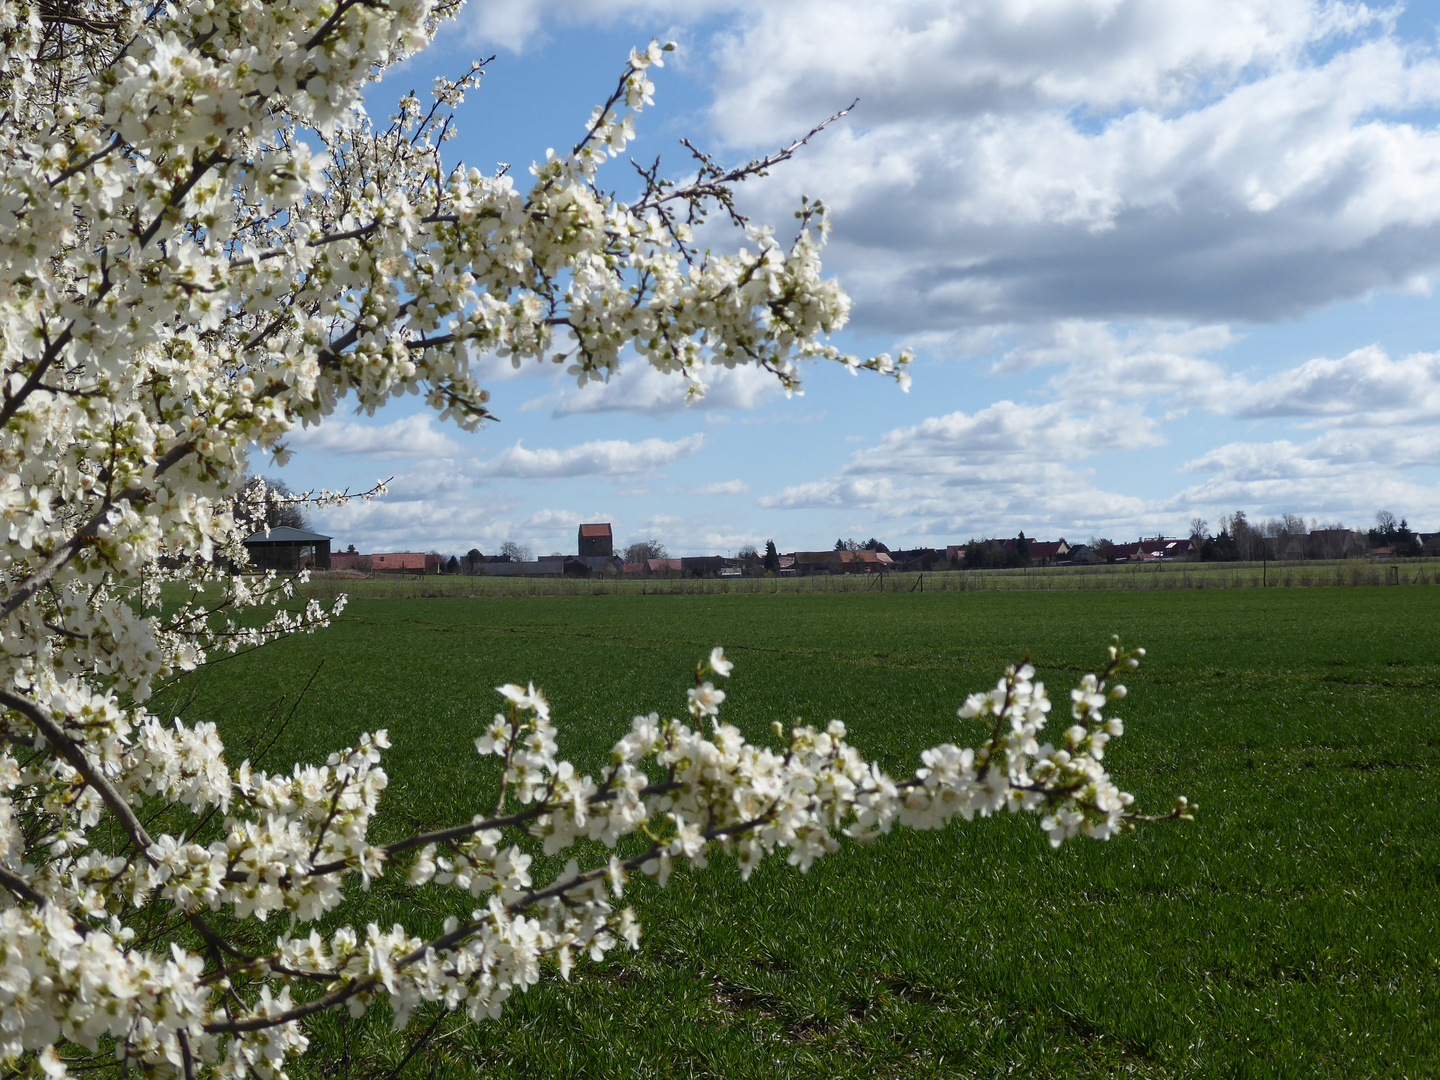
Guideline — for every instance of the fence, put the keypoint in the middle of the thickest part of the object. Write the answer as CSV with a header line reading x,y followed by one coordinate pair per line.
x,y
1335,573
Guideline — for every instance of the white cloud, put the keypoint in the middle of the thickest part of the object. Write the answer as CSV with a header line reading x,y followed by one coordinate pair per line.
x,y
1102,194
452,521
699,534
640,388
1350,475
606,457
724,487
1007,466
445,519
514,24
943,58
1005,435
408,437
1364,388
1136,158
840,493
1102,361
1017,160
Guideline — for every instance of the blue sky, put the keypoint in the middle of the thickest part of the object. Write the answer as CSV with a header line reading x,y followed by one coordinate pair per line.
x,y
1156,261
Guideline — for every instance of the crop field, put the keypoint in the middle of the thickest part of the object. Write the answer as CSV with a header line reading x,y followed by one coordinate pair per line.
x,y
1291,930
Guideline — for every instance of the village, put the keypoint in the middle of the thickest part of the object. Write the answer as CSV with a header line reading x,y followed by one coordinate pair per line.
x,y
290,549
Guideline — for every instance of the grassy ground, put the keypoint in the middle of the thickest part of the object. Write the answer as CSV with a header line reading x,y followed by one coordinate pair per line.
x,y
1290,931
1128,576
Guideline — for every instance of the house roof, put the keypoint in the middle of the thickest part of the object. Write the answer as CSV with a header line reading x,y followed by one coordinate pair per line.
x,y
284,534
1046,549
864,557
599,529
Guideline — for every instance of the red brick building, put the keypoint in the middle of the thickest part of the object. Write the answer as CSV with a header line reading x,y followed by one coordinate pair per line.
x,y
411,562
596,540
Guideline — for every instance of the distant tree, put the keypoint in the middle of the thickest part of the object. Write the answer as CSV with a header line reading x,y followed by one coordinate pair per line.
x,y
1249,541
517,552
875,545
1219,548
749,559
350,550
1021,549
473,559
645,549
452,565
1406,542
992,554
1103,548
1199,529
1289,533
1390,533
979,554
772,557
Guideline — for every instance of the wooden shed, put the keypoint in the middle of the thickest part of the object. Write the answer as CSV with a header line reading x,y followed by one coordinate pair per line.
x,y
288,550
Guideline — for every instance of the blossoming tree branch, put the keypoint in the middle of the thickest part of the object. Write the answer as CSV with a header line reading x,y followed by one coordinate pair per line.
x,y
205,242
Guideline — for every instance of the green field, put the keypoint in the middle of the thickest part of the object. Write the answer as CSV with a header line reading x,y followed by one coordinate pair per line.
x,y
1128,576
1290,931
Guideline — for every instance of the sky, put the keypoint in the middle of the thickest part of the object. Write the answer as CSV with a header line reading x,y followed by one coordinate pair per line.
x,y
1157,261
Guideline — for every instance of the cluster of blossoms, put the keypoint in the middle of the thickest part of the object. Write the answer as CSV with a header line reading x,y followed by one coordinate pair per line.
x,y
80,957
205,242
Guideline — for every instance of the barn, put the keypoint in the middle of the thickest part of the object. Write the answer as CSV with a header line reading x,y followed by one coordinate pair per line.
x,y
288,550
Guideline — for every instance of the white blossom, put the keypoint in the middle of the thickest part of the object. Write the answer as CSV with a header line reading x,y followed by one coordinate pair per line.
x,y
205,244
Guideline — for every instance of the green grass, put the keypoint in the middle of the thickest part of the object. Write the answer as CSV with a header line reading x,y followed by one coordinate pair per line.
x,y
1289,931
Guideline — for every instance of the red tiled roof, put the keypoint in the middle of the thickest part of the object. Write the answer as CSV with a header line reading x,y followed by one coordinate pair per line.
x,y
601,529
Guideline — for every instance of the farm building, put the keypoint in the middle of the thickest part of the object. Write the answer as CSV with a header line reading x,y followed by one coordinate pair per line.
x,y
702,566
1048,552
919,559
1186,549
596,540
406,562
807,563
864,562
570,566
288,550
